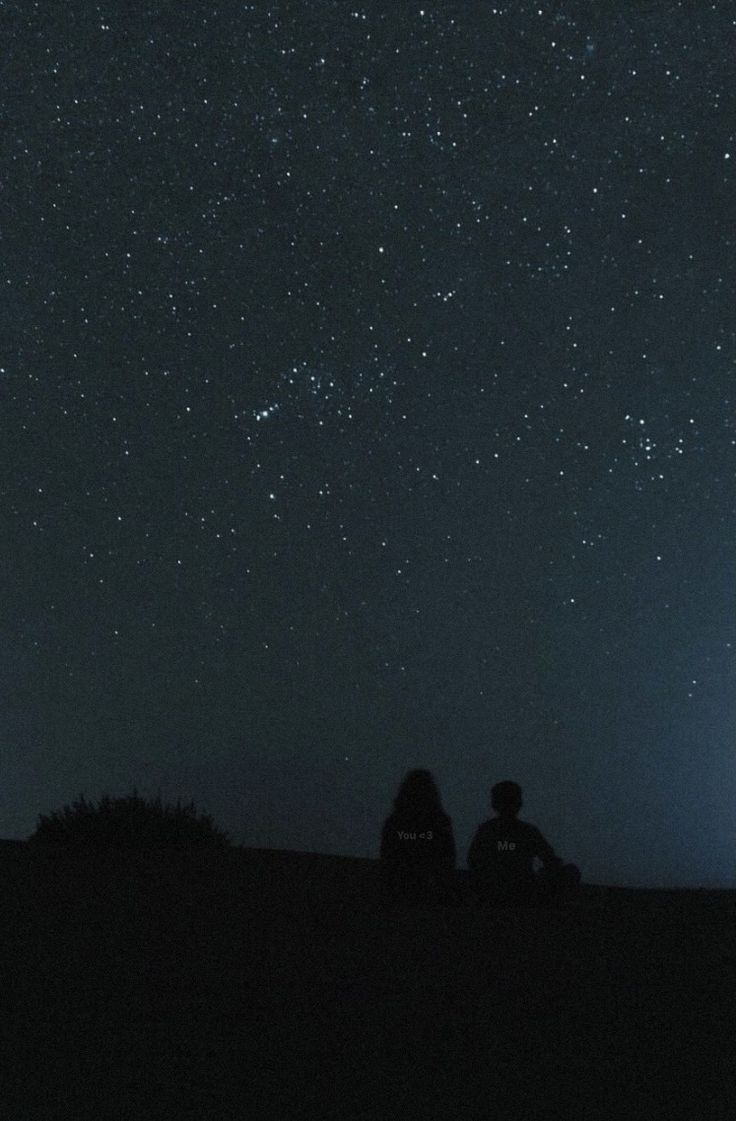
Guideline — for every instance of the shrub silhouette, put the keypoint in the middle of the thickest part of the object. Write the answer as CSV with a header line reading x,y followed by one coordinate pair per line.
x,y
128,824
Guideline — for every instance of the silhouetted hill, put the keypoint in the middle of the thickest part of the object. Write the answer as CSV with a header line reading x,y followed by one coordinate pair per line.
x,y
269,984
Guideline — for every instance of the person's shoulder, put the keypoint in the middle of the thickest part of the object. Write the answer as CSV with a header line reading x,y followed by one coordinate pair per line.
x,y
530,829
485,827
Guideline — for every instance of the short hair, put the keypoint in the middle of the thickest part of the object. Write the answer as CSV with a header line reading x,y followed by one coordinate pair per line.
x,y
505,795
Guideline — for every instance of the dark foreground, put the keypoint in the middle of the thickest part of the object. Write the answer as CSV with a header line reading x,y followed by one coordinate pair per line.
x,y
269,985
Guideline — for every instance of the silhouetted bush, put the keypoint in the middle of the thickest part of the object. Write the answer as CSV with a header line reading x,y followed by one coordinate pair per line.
x,y
128,824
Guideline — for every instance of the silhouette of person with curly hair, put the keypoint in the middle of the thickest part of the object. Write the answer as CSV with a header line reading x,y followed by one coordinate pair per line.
x,y
417,862
501,854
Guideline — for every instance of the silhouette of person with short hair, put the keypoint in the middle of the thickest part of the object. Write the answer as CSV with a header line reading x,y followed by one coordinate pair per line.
x,y
501,853
417,861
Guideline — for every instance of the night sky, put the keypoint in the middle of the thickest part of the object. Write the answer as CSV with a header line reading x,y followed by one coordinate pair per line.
x,y
367,402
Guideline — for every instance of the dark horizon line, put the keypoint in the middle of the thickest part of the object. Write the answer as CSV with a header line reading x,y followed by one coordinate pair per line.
x,y
592,888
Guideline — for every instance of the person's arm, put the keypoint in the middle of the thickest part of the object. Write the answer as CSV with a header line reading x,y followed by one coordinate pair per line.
x,y
545,852
475,852
387,862
388,842
449,852
478,863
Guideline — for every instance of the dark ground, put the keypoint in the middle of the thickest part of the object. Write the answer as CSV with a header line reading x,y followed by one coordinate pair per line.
x,y
269,985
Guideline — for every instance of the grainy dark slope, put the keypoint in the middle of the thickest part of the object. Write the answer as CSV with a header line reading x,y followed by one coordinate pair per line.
x,y
269,985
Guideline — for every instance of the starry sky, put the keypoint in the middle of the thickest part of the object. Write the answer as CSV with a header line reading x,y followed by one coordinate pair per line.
x,y
367,402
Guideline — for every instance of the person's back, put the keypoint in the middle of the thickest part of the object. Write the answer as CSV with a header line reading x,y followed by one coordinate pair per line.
x,y
502,852
417,860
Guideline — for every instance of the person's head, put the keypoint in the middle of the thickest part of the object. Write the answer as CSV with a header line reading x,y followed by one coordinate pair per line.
x,y
506,798
418,793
